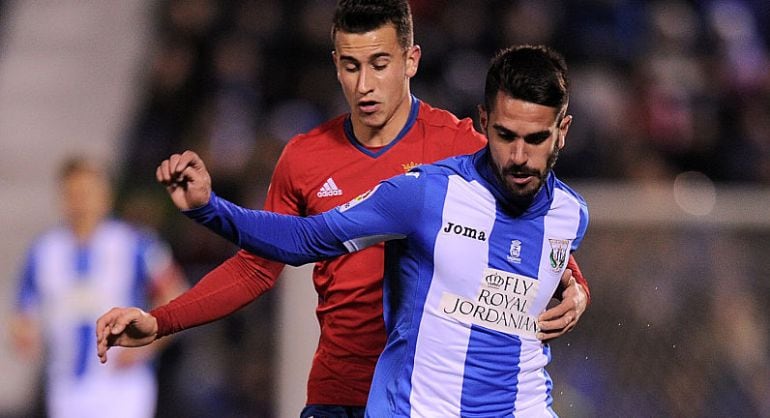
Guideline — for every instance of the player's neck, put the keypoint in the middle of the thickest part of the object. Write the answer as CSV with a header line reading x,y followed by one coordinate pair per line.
x,y
383,135
84,229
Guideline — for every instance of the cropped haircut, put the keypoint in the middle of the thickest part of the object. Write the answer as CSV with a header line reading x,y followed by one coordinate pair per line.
x,y
534,74
359,16
79,164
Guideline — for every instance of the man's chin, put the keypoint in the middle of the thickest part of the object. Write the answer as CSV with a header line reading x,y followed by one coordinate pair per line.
x,y
371,120
526,191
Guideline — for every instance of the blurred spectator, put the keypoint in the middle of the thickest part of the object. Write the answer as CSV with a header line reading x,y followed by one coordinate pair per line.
x,y
75,271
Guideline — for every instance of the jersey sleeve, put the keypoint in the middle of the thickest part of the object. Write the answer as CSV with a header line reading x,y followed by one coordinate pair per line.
x,y
388,211
375,216
289,239
27,294
229,287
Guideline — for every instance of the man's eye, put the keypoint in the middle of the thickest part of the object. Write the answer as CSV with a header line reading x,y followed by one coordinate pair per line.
x,y
537,138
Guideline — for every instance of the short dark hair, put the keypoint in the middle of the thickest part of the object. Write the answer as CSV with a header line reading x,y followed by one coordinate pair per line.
x,y
78,164
359,16
532,73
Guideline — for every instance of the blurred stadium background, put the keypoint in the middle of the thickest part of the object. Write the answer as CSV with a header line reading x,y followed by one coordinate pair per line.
x,y
670,146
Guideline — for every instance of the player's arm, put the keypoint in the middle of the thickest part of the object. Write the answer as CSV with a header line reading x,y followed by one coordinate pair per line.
x,y
24,327
224,290
296,240
289,239
232,285
242,278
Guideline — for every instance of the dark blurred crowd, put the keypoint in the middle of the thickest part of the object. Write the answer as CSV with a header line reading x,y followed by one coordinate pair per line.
x,y
658,88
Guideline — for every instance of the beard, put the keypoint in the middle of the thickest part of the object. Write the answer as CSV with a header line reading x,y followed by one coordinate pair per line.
x,y
522,195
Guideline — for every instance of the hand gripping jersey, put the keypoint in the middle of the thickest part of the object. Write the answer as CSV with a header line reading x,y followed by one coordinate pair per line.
x,y
67,285
465,278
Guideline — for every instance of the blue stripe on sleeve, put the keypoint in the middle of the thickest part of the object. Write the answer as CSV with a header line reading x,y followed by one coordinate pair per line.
x,y
28,291
289,239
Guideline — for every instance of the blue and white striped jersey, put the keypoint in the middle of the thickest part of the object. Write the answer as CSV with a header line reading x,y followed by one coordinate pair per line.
x,y
67,285
466,276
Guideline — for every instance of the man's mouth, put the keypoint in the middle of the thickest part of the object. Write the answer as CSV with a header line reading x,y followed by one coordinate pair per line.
x,y
368,106
521,178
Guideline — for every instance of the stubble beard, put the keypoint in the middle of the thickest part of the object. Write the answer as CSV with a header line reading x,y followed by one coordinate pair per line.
x,y
522,195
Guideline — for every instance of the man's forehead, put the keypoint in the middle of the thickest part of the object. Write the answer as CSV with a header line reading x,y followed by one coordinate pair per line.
x,y
507,111
374,42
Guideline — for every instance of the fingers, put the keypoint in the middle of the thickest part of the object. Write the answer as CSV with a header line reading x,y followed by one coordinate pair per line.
x,y
108,326
168,172
557,321
563,317
101,345
103,328
172,170
560,326
557,311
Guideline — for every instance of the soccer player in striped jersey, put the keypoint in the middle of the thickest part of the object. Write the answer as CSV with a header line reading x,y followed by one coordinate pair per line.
x,y
460,306
72,274
387,132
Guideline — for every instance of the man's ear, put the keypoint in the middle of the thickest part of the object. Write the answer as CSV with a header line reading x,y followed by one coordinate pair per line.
x,y
483,119
413,55
563,129
334,61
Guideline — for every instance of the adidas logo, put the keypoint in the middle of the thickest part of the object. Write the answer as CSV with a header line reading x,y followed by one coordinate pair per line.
x,y
329,189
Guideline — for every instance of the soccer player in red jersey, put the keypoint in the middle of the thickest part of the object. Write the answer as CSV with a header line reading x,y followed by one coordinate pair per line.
x,y
387,132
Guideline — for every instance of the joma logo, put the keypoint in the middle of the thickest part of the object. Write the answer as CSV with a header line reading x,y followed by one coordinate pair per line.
x,y
465,231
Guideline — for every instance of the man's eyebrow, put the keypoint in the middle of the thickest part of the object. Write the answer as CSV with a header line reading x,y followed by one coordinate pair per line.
x,y
537,137
534,137
503,130
372,57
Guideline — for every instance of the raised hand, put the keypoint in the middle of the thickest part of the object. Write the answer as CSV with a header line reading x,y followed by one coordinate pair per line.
x,y
186,179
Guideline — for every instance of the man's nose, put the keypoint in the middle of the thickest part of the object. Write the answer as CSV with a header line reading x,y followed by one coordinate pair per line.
x,y
364,81
518,152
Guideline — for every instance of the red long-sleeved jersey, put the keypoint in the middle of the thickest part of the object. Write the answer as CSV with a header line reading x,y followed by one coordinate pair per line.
x,y
316,172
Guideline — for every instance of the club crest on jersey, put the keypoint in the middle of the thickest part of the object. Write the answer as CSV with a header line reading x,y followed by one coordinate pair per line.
x,y
358,199
514,252
558,256
410,165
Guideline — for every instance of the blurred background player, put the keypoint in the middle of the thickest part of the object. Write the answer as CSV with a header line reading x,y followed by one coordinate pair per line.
x,y
387,132
72,272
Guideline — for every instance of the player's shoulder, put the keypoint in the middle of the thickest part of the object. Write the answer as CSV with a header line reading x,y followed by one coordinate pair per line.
x,y
326,134
437,117
441,126
566,191
447,166
51,236
124,231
